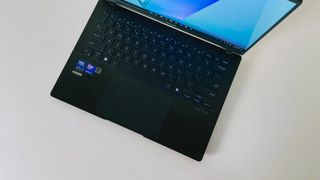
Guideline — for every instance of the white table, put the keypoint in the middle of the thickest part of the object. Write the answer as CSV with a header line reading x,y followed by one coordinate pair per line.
x,y
269,128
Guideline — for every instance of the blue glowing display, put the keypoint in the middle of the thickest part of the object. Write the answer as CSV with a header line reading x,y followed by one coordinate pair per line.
x,y
240,23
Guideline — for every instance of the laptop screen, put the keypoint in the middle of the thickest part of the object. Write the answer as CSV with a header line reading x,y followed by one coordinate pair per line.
x,y
237,23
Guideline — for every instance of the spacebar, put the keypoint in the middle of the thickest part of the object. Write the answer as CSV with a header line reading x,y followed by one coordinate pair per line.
x,y
141,75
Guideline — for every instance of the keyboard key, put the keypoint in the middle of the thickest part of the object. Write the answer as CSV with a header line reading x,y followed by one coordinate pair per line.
x,y
189,85
207,63
105,13
217,60
197,101
189,55
198,69
126,48
180,81
135,52
96,55
145,66
217,76
198,96
101,28
117,44
208,73
115,62
163,74
171,77
136,33
118,25
162,64
87,52
106,59
155,50
209,56
171,59
144,56
102,19
110,22
181,62
154,70
144,37
168,86
215,85
109,51
127,29
136,43
187,93
177,90
119,36
154,41
207,105
171,48
190,65
171,67
221,69
205,92
126,58
153,60
118,55
179,71
113,16
128,39
225,62
111,32
180,51
96,45
187,96
98,36
136,62
109,41
145,46
163,54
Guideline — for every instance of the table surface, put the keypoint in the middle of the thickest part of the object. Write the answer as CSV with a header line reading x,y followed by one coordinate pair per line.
x,y
269,127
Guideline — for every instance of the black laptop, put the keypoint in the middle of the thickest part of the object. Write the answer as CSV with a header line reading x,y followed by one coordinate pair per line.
x,y
163,68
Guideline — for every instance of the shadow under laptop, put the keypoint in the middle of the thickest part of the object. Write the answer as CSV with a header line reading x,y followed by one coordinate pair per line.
x,y
221,127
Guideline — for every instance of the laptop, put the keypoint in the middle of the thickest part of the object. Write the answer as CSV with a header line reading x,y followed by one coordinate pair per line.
x,y
163,68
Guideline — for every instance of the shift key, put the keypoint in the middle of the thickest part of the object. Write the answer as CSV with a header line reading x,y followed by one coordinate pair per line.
x,y
96,45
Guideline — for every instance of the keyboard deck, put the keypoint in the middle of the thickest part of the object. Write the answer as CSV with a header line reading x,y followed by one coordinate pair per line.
x,y
170,63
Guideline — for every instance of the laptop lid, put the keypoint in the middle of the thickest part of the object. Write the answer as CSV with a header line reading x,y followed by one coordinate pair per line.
x,y
231,24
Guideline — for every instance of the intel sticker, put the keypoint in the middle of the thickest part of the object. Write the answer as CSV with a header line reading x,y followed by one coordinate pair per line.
x,y
81,66
91,69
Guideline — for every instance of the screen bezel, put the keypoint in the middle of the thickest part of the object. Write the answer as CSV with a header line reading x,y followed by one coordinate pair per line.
x,y
202,36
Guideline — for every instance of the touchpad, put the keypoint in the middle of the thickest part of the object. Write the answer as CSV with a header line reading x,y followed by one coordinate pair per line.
x,y
134,104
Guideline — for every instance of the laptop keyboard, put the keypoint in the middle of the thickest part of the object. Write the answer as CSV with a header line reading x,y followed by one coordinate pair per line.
x,y
168,63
